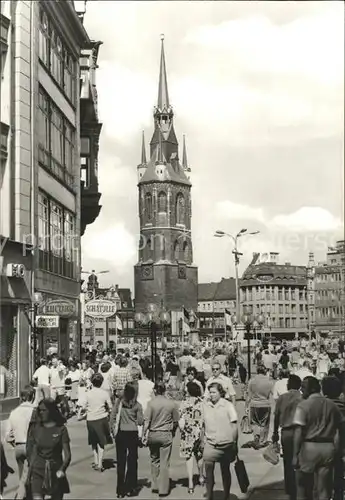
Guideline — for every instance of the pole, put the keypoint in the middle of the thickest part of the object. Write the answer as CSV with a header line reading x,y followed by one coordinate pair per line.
x,y
248,352
238,309
153,331
213,326
106,333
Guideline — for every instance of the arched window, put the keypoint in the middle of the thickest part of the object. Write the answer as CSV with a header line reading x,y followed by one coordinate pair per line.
x,y
149,249
180,209
148,206
177,250
162,202
185,251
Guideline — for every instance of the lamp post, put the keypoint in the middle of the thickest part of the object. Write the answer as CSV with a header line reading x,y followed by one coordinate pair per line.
x,y
31,314
152,318
251,322
237,254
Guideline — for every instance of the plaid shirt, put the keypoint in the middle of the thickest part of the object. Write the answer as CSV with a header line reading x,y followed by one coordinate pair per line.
x,y
120,379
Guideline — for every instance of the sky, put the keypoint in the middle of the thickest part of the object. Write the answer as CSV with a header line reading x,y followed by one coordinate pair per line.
x,y
258,90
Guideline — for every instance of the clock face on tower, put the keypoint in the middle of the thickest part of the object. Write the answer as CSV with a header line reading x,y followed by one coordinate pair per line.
x,y
147,272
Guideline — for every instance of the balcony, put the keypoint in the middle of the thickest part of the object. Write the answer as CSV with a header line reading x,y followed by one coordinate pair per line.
x,y
90,207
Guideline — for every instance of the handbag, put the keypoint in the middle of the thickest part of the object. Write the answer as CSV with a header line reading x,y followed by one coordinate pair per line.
x,y
246,427
271,454
242,476
117,420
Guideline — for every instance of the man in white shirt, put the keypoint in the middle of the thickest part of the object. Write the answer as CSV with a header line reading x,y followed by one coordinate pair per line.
x,y
223,380
305,371
42,378
145,390
280,387
18,425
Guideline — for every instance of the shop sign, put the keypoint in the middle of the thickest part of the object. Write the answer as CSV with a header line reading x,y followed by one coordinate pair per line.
x,y
59,307
47,321
100,308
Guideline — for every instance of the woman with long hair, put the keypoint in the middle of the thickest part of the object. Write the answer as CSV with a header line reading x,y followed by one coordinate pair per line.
x,y
126,420
48,452
191,424
221,436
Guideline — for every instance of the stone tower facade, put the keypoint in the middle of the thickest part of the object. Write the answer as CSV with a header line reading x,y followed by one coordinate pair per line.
x,y
165,274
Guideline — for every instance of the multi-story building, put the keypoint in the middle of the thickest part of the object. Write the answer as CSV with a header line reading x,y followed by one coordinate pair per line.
x,y
115,328
40,184
165,274
90,129
213,300
330,292
279,293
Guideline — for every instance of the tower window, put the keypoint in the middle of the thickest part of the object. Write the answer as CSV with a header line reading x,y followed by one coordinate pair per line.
x,y
162,202
177,250
148,206
180,209
185,251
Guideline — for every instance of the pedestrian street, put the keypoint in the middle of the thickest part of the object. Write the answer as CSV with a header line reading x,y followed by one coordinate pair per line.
x,y
265,479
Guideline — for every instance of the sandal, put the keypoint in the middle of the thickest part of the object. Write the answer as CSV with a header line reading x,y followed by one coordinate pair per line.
x,y
201,481
190,491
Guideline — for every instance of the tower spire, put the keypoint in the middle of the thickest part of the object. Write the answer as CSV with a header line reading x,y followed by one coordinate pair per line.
x,y
184,155
163,95
143,150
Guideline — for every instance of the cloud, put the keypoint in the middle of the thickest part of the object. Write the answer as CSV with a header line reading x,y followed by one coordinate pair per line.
x,y
308,218
236,211
293,48
303,219
115,245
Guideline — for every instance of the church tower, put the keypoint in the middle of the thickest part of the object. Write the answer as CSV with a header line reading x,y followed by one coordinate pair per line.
x,y
165,274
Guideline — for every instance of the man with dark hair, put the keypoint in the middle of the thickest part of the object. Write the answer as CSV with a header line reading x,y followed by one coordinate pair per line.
x,y
161,420
284,415
318,421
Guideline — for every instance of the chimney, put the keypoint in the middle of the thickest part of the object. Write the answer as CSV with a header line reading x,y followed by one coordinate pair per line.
x,y
116,288
288,263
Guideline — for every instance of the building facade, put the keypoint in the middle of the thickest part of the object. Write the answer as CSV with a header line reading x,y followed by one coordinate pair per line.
x,y
330,293
279,293
112,330
40,184
213,300
165,274
90,129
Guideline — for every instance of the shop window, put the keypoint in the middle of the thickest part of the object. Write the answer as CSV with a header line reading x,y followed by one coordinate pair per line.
x,y
8,352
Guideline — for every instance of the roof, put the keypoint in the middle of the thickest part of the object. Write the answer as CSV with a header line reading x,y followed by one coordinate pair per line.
x,y
274,273
224,290
170,173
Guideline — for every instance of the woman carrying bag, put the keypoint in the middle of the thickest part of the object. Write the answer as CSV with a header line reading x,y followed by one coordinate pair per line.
x,y
126,422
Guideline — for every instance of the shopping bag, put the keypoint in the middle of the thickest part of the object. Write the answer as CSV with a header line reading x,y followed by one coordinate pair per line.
x,y
246,427
242,476
271,454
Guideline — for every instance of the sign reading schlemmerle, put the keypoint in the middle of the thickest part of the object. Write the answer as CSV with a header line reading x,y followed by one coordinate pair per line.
x,y
99,308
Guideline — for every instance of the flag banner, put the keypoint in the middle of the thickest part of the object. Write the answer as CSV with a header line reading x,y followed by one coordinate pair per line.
x,y
227,318
186,316
118,323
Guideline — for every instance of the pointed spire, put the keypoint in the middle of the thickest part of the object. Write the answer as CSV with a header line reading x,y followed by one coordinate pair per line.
x,y
163,96
143,150
184,155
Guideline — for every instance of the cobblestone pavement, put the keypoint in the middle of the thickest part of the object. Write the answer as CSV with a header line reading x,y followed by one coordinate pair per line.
x,y
265,479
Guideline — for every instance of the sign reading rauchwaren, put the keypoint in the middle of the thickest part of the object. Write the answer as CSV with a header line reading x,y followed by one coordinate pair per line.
x,y
99,308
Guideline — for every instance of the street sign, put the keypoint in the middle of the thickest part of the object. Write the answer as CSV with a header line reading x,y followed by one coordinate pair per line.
x,y
99,308
47,321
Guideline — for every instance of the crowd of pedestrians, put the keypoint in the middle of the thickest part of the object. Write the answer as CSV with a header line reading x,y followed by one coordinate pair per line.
x,y
299,388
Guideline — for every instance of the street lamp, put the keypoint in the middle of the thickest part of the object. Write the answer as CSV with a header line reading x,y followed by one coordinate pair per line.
x,y
152,318
237,254
251,322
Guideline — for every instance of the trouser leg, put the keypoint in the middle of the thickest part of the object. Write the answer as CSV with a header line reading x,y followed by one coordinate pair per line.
x,y
289,472
121,455
155,464
164,474
132,461
209,472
